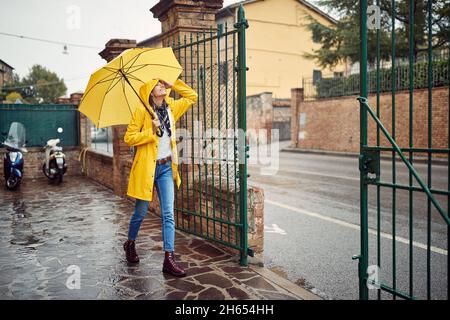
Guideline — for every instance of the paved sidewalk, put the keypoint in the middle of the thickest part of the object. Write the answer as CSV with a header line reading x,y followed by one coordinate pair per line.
x,y
46,228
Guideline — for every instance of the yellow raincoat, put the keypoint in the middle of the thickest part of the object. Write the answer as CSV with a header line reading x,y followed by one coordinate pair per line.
x,y
140,185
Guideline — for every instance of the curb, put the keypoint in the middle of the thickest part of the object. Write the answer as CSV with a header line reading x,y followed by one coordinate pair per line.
x,y
285,284
356,155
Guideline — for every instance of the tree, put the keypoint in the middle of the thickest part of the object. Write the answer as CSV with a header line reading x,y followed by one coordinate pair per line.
x,y
38,86
46,86
341,42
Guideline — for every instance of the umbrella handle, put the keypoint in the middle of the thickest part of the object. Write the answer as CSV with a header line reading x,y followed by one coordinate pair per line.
x,y
159,132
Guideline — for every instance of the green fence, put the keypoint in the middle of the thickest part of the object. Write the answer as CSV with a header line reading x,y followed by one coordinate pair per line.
x,y
212,202
331,86
412,252
41,122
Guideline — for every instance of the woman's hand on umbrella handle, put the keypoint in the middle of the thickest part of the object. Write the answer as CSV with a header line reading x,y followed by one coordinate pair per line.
x,y
156,124
157,127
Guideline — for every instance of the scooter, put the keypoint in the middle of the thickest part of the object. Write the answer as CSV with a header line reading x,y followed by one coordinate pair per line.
x,y
55,165
13,160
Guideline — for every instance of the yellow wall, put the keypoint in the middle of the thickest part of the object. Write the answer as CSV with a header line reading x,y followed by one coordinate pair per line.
x,y
276,40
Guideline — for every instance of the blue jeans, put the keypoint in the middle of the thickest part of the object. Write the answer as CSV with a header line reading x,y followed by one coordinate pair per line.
x,y
165,188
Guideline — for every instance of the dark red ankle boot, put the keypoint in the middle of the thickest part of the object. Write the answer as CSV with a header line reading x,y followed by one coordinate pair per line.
x,y
171,267
130,251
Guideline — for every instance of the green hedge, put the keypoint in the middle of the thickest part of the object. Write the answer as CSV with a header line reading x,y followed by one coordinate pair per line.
x,y
344,86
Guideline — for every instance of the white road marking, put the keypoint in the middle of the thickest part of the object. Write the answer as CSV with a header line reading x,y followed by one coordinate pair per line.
x,y
316,174
323,175
356,227
274,229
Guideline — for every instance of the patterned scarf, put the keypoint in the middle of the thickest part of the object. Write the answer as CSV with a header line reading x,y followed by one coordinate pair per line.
x,y
163,116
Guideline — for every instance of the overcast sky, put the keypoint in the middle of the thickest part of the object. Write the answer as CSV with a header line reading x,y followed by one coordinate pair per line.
x,y
81,22
84,22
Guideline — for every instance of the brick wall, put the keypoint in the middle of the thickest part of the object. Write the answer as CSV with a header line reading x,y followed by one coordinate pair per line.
x,y
259,116
34,159
333,125
98,166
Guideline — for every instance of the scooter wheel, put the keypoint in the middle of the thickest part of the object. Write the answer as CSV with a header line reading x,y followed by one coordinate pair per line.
x,y
48,175
12,182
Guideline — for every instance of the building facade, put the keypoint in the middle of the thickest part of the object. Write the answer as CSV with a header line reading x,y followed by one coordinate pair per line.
x,y
5,73
277,39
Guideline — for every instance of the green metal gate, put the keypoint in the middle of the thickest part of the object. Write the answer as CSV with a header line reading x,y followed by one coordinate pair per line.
x,y
212,200
41,122
423,269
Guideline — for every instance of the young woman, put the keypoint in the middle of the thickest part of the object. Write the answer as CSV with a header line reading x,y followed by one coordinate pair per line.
x,y
156,162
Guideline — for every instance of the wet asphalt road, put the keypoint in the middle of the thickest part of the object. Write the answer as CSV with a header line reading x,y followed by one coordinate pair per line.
x,y
312,226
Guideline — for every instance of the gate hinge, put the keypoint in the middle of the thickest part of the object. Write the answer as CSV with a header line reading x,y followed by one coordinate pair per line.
x,y
237,68
369,165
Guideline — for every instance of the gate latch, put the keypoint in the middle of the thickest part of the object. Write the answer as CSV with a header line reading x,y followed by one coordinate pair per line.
x,y
369,165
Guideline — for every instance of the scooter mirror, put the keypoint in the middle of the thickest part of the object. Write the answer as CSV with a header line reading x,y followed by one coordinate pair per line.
x,y
60,130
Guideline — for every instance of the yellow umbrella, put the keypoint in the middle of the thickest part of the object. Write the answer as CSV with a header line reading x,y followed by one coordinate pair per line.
x,y
111,95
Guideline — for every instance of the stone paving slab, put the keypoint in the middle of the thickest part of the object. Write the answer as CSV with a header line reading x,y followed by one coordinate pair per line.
x,y
45,228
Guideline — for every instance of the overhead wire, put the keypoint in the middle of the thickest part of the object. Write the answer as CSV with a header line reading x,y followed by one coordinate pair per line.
x,y
49,41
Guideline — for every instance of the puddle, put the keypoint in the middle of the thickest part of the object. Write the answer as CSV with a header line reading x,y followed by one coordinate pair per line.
x,y
75,219
25,240
301,282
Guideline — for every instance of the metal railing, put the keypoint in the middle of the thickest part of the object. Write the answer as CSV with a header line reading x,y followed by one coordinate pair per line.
x,y
330,86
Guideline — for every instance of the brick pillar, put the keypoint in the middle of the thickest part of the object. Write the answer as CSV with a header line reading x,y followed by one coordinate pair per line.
x,y
180,17
113,48
297,95
255,219
85,137
84,134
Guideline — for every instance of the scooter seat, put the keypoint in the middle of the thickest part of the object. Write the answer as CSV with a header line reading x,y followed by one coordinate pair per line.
x,y
52,142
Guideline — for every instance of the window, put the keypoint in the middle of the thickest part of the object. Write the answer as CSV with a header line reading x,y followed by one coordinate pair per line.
x,y
101,138
317,76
